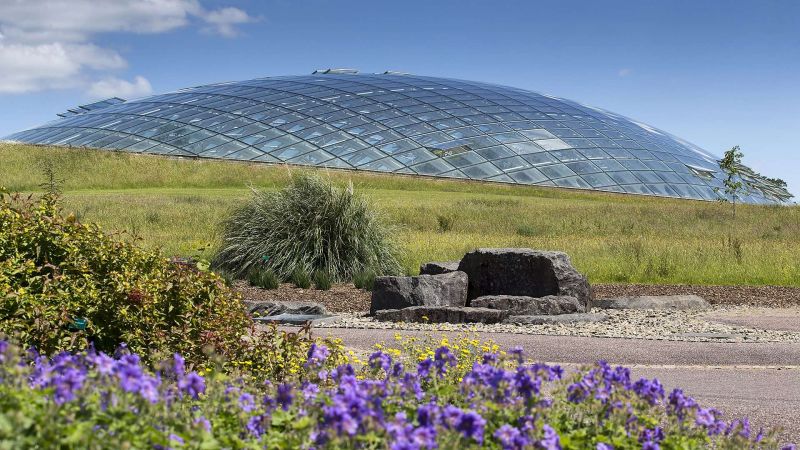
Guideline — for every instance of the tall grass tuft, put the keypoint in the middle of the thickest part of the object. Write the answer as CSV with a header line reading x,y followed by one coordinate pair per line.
x,y
310,225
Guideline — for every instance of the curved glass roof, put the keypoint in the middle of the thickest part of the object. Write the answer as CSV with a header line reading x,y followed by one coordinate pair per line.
x,y
404,124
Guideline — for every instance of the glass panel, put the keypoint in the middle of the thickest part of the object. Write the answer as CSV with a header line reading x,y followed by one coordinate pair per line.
x,y
556,171
552,144
383,165
528,176
432,167
464,159
513,163
481,171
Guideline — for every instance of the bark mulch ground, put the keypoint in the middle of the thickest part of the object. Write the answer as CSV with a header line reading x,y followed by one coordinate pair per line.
x,y
346,298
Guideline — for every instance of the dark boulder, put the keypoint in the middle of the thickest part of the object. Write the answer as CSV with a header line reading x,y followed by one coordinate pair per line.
x,y
438,268
442,314
449,289
523,272
522,305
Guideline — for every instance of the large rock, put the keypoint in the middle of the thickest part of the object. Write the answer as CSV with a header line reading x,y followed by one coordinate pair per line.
x,y
523,272
522,305
442,314
438,268
298,319
559,319
678,302
449,289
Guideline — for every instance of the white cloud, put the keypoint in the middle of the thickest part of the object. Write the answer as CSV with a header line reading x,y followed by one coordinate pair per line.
x,y
47,44
116,87
223,21
624,72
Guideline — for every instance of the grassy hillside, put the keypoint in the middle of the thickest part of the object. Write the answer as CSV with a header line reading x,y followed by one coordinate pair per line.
x,y
178,204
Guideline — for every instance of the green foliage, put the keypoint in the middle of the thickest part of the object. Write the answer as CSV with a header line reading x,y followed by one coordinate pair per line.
x,y
322,280
65,284
445,223
309,225
731,165
301,279
364,280
264,279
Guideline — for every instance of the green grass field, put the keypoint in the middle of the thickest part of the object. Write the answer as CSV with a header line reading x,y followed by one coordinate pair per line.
x,y
178,205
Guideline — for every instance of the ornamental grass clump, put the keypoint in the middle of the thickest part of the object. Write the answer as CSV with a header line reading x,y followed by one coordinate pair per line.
x,y
310,225
496,401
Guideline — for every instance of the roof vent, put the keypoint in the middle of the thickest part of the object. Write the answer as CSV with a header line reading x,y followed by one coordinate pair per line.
x,y
92,107
327,71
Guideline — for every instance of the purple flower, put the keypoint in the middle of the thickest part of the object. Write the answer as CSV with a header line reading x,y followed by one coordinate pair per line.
x,y
103,363
380,360
178,365
518,352
442,358
255,425
148,388
679,403
471,425
551,441
247,402
310,391
192,384
604,446
652,391
452,415
508,436
424,368
317,355
704,417
203,422
284,396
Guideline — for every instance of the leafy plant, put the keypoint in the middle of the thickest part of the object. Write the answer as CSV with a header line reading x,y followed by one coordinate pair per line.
x,y
66,286
309,225
364,280
731,165
264,279
322,280
445,223
301,279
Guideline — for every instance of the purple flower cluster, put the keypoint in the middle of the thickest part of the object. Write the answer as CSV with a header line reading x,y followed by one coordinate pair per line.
x,y
500,400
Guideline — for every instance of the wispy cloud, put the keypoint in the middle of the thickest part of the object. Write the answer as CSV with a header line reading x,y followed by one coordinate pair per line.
x,y
624,72
115,87
48,44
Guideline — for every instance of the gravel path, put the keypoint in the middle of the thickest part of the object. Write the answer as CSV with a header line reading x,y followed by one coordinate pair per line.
x,y
694,326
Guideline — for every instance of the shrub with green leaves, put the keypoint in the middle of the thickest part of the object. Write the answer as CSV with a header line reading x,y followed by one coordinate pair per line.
x,y
65,284
310,225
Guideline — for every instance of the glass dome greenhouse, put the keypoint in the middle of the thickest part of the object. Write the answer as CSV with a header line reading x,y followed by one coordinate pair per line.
x,y
405,124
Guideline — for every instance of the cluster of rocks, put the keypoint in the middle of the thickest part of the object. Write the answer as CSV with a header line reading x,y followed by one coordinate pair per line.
x,y
516,285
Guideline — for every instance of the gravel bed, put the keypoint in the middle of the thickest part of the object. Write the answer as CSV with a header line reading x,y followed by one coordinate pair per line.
x,y
340,298
346,298
766,296
631,324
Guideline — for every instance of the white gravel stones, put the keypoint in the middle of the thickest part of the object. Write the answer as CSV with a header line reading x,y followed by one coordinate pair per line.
x,y
633,324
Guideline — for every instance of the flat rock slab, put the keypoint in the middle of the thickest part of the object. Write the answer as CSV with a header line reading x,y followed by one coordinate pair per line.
x,y
438,268
522,305
559,319
523,272
676,302
442,314
298,319
447,289
273,308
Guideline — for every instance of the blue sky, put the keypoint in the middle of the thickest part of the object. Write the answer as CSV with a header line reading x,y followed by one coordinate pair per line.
x,y
717,73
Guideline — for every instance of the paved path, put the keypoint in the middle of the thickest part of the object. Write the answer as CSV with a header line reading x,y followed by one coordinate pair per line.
x,y
758,380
